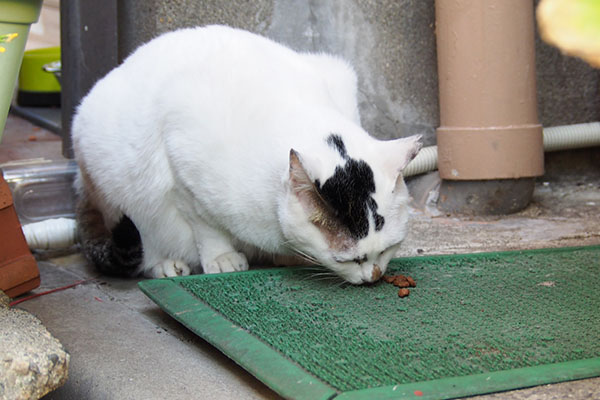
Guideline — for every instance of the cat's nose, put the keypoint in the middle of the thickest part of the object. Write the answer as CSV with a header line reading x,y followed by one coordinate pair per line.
x,y
371,274
376,274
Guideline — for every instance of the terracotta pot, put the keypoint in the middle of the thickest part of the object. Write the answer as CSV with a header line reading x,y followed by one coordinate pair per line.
x,y
18,269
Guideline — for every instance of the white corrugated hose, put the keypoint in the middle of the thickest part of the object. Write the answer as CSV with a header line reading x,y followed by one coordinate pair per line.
x,y
54,233
565,137
60,233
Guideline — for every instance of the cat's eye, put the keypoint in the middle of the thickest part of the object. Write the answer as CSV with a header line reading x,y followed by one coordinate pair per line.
x,y
357,260
360,260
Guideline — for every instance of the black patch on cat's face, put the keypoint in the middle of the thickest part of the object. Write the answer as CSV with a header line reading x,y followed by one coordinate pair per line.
x,y
379,220
348,193
337,143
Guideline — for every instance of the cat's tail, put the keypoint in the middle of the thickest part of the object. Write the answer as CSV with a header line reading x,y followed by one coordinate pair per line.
x,y
114,251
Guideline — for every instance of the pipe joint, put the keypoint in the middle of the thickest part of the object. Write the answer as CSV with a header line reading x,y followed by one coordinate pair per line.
x,y
490,152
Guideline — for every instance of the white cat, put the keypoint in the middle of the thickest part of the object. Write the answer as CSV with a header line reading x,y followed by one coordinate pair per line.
x,y
218,146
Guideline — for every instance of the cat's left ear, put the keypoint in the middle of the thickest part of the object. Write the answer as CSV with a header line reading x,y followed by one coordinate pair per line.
x,y
400,152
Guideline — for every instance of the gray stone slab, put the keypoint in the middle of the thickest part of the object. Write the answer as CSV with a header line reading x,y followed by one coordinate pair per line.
x,y
32,361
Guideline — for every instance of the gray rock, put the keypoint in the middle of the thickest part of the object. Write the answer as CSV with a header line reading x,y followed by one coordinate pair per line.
x,y
32,361
4,299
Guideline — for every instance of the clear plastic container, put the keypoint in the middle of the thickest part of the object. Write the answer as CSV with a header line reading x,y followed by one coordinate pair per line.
x,y
41,189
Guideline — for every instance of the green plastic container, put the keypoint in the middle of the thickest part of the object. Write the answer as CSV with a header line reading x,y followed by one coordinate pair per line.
x,y
16,16
36,86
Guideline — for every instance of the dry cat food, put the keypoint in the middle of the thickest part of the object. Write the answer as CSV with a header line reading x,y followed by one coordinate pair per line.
x,y
401,281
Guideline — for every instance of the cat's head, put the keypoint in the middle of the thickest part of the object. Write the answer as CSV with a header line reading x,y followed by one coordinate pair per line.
x,y
347,212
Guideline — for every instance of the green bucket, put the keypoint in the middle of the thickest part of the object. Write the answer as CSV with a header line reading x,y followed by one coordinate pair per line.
x,y
16,16
37,87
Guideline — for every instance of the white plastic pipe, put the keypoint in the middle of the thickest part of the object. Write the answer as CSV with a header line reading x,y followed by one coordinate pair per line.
x,y
566,137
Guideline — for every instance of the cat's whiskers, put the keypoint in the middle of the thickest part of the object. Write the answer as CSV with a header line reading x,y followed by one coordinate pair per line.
x,y
300,253
323,274
316,272
326,275
309,276
306,258
313,268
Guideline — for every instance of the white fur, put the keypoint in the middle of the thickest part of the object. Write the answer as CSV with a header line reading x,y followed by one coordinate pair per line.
x,y
190,138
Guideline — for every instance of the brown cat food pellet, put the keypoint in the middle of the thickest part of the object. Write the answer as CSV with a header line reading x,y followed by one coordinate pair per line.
x,y
401,282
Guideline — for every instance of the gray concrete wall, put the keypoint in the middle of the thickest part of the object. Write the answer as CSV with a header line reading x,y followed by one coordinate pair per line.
x,y
391,44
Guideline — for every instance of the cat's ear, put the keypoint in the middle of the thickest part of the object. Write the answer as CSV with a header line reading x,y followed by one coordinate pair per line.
x,y
319,212
402,151
398,153
302,186
299,179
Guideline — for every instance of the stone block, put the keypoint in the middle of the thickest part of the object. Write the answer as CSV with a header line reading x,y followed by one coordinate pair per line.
x,y
32,362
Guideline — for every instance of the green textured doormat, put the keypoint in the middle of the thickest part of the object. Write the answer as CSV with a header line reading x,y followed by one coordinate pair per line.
x,y
474,324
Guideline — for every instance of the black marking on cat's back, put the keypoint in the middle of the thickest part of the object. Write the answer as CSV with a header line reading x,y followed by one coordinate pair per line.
x,y
337,143
348,192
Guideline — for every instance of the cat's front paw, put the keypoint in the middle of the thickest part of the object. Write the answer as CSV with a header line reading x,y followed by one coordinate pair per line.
x,y
169,268
228,262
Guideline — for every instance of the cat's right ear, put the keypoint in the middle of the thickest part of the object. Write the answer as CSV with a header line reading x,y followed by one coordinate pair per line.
x,y
319,213
299,179
404,151
304,188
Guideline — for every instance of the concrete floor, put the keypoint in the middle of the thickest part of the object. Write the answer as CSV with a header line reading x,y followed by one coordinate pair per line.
x,y
122,346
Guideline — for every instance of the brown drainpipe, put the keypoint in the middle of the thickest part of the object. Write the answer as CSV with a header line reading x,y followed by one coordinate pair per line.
x,y
490,144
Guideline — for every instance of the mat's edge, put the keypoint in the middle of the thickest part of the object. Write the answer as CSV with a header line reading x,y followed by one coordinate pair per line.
x,y
493,382
266,364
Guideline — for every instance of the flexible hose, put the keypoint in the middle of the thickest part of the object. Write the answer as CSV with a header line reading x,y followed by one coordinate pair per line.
x,y
55,233
556,138
60,233
425,161
572,136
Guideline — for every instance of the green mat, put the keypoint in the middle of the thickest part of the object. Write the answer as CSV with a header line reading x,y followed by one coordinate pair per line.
x,y
474,324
